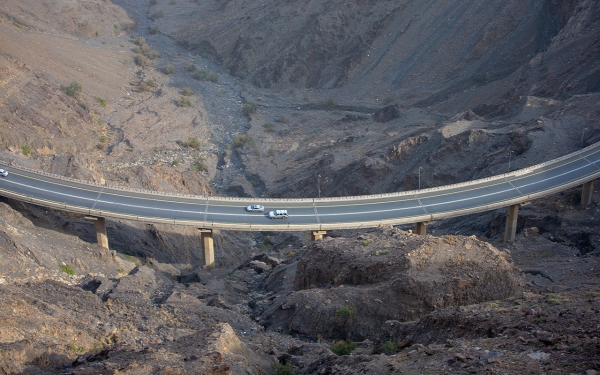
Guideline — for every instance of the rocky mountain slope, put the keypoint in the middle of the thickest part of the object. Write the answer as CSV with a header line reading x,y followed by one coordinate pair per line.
x,y
260,99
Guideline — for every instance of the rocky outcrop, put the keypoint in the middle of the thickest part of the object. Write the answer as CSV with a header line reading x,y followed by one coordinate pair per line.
x,y
394,276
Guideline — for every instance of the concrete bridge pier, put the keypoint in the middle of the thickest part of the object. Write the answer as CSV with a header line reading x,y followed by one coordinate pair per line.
x,y
510,231
421,227
208,246
317,234
586,194
100,227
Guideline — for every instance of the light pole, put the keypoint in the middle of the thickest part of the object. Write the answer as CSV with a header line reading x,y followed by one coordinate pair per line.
x,y
509,157
319,185
420,178
582,133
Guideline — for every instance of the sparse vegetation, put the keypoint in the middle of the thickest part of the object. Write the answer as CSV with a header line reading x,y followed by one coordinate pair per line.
x,y
192,142
199,165
67,269
101,101
282,119
269,127
242,140
158,14
200,75
213,78
249,108
84,105
343,347
382,252
16,24
79,350
153,30
186,91
346,315
191,68
74,89
184,101
283,368
271,153
389,347
141,60
168,69
26,150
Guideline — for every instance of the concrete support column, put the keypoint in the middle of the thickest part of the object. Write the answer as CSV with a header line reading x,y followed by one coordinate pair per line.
x,y
586,194
317,234
208,246
100,227
510,231
421,227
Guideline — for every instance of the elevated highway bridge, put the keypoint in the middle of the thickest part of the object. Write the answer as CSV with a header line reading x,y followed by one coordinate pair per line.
x,y
421,207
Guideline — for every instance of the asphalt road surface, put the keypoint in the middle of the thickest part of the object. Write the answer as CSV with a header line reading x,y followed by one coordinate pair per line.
x,y
304,214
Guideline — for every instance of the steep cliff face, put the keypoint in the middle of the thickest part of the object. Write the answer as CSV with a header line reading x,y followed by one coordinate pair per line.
x,y
404,50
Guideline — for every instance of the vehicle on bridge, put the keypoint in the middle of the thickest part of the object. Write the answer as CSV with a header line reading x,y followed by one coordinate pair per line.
x,y
255,208
278,214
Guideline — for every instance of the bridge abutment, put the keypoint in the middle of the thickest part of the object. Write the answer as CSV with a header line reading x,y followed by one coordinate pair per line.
x,y
208,246
587,192
100,228
317,234
421,227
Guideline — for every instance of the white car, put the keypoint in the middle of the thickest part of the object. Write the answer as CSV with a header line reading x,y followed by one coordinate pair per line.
x,y
255,208
278,214
3,173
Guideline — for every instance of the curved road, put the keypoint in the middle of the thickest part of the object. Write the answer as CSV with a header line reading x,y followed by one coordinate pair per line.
x,y
305,214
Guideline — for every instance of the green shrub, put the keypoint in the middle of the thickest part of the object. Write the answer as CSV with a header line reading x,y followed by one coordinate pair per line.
x,y
158,14
330,102
389,347
116,27
282,119
191,68
269,127
168,69
346,315
271,153
184,102
242,140
382,252
152,54
153,30
67,269
186,91
213,78
16,24
151,83
343,347
26,150
84,105
199,165
102,101
283,369
74,89
249,108
192,142
141,60
200,75
103,139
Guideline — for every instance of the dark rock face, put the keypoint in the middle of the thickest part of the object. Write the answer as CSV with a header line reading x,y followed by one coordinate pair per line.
x,y
386,114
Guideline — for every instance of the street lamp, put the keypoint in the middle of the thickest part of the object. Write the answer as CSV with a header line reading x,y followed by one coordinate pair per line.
x,y
582,133
509,157
319,185
420,178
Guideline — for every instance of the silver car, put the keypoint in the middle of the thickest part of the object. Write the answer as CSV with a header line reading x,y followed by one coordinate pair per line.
x,y
3,173
255,208
278,214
